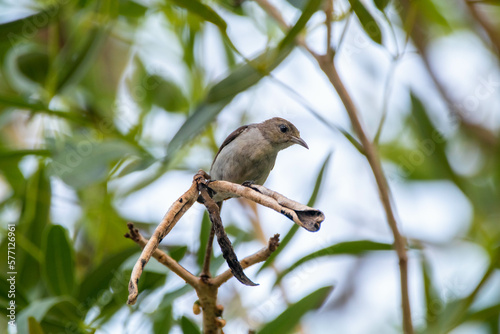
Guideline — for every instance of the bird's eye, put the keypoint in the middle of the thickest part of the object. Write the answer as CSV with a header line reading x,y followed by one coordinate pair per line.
x,y
283,128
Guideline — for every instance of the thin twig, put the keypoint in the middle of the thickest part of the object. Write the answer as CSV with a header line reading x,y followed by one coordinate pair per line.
x,y
328,9
307,217
222,239
205,271
207,288
260,256
493,34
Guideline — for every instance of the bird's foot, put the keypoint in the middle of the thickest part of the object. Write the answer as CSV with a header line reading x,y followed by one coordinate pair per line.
x,y
201,175
248,183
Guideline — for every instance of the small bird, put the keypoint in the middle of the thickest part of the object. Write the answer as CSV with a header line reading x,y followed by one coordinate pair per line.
x,y
248,154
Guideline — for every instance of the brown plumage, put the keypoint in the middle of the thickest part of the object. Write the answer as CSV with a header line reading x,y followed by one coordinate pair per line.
x,y
249,153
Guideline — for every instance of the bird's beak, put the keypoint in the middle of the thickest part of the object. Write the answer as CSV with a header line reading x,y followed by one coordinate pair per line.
x,y
300,141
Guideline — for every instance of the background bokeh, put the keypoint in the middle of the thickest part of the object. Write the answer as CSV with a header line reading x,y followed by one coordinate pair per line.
x,y
108,108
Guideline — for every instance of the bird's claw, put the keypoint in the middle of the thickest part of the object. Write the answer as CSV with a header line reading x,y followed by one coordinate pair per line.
x,y
201,176
248,183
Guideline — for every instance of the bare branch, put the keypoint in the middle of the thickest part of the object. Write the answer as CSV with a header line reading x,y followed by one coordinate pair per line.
x,y
307,217
222,239
249,261
171,218
205,272
162,257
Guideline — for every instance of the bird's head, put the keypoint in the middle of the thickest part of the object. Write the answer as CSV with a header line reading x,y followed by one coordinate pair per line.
x,y
281,133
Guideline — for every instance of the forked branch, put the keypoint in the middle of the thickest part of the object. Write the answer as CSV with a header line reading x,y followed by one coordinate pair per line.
x,y
205,286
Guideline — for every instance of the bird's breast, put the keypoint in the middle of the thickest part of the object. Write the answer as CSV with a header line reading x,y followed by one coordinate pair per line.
x,y
249,157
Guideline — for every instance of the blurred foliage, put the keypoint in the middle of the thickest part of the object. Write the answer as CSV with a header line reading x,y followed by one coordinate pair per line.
x,y
70,72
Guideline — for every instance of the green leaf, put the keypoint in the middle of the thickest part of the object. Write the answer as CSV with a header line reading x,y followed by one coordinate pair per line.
x,y
311,8
290,234
177,252
432,14
34,66
358,247
188,326
286,321
34,326
59,266
454,313
74,60
80,161
368,23
162,316
432,300
205,227
203,11
162,319
168,95
484,314
35,216
57,312
381,4
432,145
101,277
26,28
132,10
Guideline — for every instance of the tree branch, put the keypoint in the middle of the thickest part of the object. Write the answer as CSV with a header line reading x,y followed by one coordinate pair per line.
x,y
222,239
304,216
172,216
249,261
493,33
162,257
372,156
205,271
206,287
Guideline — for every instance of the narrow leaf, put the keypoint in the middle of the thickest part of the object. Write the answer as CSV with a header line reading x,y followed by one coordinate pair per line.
x,y
343,248
59,267
381,4
101,277
311,8
35,216
367,21
432,143
203,11
59,311
204,233
188,327
34,326
286,321
432,299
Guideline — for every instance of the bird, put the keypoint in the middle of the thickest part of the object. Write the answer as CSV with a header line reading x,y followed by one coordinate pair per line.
x,y
249,153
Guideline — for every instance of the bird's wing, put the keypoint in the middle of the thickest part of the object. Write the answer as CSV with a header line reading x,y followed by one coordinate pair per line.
x,y
230,138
